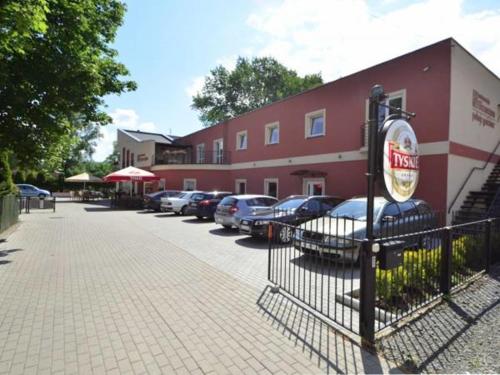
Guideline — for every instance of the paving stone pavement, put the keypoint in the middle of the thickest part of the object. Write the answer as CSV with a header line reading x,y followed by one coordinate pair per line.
x,y
90,292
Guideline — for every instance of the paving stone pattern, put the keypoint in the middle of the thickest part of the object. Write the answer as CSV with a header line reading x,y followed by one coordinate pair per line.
x,y
89,291
460,335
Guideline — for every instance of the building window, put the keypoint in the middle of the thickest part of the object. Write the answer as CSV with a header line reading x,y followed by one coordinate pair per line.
x,y
272,133
395,99
123,157
240,186
241,140
271,187
218,156
200,153
189,184
132,159
128,158
314,186
315,124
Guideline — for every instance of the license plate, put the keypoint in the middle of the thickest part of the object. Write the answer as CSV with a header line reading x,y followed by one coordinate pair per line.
x,y
245,227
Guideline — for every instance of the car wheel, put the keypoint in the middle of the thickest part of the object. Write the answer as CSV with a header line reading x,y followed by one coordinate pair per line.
x,y
227,226
285,234
41,195
183,210
177,213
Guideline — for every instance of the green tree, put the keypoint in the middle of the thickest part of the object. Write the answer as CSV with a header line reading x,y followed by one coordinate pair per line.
x,y
6,184
55,62
252,84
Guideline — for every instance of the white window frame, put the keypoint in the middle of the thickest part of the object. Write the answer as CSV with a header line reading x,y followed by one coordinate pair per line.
x,y
238,137
266,185
218,158
237,183
315,180
267,133
187,180
392,95
200,157
308,123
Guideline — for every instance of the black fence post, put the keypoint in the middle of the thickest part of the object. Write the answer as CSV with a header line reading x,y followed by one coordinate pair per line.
x,y
54,203
446,257
487,245
28,202
367,296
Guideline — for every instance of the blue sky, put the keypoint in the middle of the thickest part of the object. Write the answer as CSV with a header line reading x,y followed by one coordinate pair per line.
x,y
169,46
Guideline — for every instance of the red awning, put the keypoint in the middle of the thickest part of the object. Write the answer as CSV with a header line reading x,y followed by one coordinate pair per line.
x,y
130,174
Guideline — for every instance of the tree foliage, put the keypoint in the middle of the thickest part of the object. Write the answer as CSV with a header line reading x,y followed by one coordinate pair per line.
x,y
252,84
6,184
56,65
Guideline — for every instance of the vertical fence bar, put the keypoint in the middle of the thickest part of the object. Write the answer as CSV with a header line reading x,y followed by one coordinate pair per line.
x,y
446,257
487,246
367,296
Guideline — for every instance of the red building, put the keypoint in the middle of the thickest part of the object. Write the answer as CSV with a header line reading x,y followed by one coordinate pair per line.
x,y
314,142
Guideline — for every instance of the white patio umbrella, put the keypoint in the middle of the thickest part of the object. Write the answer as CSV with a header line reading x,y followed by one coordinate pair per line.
x,y
83,177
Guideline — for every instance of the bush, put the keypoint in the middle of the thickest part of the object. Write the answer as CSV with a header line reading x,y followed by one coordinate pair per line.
x,y
420,273
6,184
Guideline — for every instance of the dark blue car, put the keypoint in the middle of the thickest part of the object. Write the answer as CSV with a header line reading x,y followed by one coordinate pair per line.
x,y
203,205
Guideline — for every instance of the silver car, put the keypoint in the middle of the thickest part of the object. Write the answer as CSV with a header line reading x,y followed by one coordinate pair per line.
x,y
232,209
340,232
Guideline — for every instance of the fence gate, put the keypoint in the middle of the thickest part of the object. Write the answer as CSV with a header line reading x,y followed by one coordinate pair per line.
x,y
317,263
306,262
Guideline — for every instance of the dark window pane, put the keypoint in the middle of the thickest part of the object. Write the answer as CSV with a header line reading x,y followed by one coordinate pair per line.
x,y
317,124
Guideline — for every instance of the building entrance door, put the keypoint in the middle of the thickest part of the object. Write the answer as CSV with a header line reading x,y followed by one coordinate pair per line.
x,y
314,186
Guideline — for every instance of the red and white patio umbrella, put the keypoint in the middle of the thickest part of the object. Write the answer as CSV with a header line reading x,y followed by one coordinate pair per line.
x,y
131,174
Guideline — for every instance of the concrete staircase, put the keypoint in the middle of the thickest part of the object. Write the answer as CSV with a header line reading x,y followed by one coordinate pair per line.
x,y
481,204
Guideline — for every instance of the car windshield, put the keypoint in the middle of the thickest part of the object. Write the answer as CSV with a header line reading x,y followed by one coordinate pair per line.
x,y
289,204
356,210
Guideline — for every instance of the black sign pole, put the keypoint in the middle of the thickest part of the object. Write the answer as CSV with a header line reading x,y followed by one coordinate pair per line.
x,y
367,287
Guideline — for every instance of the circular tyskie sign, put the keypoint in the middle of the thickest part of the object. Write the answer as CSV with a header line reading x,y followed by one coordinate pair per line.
x,y
399,160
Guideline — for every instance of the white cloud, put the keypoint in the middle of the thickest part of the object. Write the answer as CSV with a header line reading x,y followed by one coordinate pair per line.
x,y
340,37
123,119
195,86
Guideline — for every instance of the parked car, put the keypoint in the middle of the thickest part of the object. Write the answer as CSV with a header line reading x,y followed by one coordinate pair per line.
x,y
293,210
27,190
233,208
203,205
152,201
178,205
346,223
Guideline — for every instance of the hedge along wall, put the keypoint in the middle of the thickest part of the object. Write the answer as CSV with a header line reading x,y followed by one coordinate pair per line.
x,y
9,211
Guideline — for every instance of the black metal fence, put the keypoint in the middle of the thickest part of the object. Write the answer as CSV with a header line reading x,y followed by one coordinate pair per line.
x,y
419,260
34,203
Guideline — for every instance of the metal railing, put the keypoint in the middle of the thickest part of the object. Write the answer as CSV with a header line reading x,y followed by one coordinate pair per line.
x,y
492,153
419,261
192,157
34,203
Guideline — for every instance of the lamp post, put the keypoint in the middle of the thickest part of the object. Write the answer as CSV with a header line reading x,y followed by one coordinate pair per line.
x,y
368,261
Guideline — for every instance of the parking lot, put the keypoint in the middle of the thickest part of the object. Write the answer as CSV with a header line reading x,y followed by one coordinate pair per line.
x,y
92,290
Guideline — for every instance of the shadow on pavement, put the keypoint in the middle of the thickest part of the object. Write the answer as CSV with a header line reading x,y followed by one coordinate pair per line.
x,y
99,209
224,232
5,262
332,351
435,341
253,243
165,214
4,253
195,221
